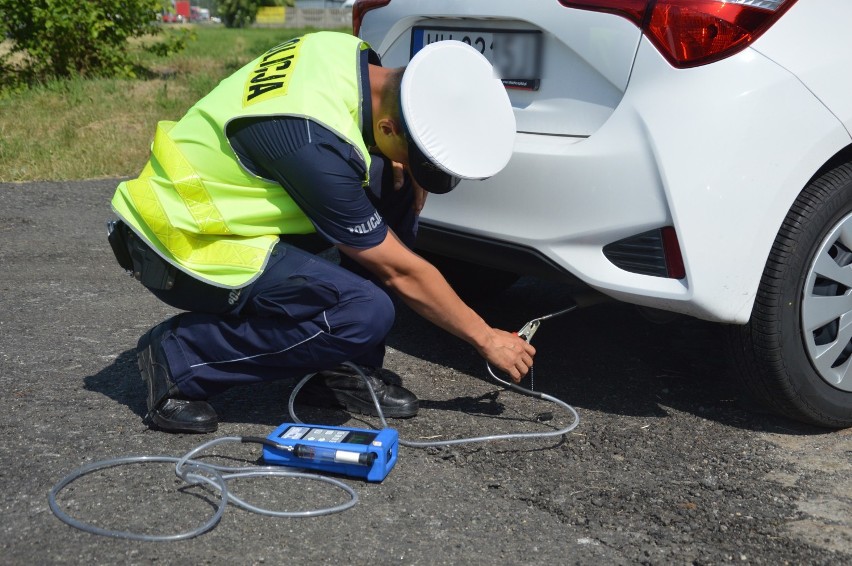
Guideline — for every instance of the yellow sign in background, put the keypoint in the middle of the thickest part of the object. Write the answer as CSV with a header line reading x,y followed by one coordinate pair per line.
x,y
270,15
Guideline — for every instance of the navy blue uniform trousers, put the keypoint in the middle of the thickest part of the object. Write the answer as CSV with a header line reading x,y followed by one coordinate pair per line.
x,y
303,314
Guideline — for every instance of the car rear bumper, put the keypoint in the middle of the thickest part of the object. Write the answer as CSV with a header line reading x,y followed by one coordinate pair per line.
x,y
719,152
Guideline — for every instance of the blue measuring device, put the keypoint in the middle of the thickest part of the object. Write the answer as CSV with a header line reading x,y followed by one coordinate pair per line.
x,y
362,453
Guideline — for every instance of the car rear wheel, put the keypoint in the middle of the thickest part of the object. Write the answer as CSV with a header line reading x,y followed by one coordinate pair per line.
x,y
795,354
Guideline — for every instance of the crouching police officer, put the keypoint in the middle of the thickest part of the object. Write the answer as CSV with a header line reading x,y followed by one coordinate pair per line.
x,y
302,141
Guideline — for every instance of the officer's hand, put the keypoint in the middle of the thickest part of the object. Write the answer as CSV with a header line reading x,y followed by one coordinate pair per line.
x,y
398,175
509,353
420,195
399,180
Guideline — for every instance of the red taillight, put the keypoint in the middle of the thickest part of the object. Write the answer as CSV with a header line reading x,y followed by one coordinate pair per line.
x,y
674,259
695,32
691,33
360,8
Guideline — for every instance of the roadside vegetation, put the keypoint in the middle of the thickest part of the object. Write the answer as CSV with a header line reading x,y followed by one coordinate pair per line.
x,y
84,128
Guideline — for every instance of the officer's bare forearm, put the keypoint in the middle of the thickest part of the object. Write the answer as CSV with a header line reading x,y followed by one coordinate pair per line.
x,y
428,294
425,290
422,287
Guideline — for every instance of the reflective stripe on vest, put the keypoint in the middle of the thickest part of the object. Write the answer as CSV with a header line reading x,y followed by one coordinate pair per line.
x,y
191,247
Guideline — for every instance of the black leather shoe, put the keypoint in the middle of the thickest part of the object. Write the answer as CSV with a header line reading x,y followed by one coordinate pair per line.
x,y
342,386
165,407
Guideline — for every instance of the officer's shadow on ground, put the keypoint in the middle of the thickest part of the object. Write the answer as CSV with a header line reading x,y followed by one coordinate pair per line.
x,y
265,404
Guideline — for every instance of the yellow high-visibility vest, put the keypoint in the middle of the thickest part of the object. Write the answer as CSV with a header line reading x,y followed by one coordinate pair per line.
x,y
196,205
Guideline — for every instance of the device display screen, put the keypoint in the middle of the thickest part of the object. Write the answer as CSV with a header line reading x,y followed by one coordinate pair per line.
x,y
318,434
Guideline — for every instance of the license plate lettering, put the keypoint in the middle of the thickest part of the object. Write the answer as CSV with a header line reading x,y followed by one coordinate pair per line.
x,y
515,54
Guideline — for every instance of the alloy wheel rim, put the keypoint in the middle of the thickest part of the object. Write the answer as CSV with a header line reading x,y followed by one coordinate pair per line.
x,y
826,313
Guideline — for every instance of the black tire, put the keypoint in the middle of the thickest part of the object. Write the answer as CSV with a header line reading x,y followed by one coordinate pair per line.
x,y
775,354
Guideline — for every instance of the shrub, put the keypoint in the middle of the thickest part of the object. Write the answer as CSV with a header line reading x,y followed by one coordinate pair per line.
x,y
63,38
237,13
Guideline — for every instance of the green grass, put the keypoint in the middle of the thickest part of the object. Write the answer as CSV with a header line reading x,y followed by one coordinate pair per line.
x,y
85,129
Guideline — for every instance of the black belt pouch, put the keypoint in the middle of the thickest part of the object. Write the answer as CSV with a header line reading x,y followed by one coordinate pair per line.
x,y
146,265
118,243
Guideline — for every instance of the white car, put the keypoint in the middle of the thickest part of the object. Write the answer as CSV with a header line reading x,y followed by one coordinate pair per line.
x,y
692,156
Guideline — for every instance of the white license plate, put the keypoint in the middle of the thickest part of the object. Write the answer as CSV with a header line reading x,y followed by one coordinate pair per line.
x,y
516,54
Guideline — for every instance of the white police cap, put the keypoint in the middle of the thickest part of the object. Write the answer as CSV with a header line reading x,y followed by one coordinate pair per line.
x,y
458,116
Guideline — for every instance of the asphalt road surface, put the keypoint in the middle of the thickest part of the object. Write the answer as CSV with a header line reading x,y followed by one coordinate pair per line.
x,y
667,465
